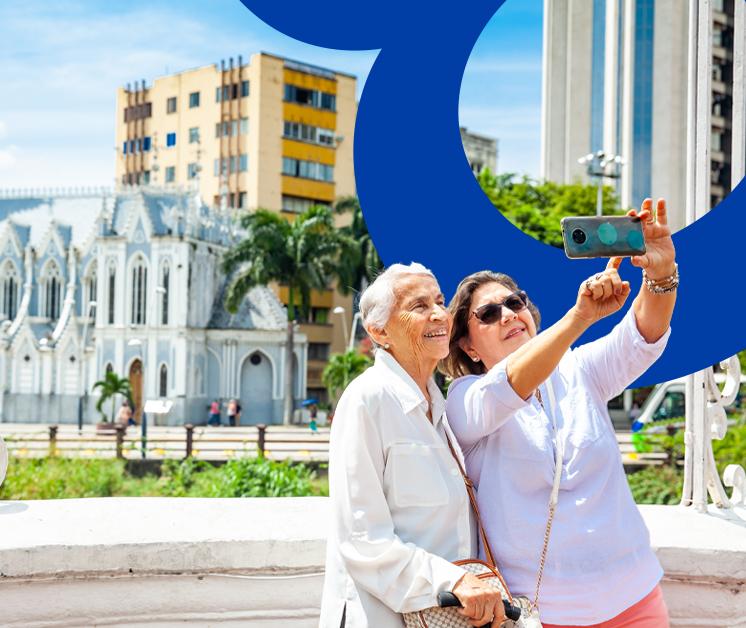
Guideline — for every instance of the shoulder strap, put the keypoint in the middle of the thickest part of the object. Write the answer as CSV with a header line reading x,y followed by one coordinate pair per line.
x,y
473,499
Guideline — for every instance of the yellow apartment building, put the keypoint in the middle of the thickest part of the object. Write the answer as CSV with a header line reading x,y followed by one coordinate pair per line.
x,y
271,133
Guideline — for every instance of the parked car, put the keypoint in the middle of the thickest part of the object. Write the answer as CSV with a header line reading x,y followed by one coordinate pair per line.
x,y
668,401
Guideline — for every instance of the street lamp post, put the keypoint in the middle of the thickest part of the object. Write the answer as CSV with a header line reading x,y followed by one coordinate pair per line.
x,y
353,330
340,310
601,166
83,371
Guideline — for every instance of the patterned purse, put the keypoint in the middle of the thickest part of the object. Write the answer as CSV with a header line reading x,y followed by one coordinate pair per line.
x,y
439,617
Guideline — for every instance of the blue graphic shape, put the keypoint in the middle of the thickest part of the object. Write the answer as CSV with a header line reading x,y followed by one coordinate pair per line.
x,y
421,201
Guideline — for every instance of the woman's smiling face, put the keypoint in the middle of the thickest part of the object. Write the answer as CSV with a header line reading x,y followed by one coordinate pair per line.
x,y
491,343
419,326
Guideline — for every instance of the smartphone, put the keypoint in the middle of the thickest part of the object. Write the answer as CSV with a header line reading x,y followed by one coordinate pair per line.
x,y
602,236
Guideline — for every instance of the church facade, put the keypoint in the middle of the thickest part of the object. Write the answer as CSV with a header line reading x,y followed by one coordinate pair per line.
x,y
130,282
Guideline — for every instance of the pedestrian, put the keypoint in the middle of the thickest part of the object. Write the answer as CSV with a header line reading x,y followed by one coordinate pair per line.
x,y
124,416
313,409
233,411
214,414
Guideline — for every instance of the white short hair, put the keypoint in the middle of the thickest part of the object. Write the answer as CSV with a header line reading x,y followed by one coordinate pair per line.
x,y
378,299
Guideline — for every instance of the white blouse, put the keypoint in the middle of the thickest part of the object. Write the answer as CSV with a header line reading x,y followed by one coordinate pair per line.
x,y
400,511
599,561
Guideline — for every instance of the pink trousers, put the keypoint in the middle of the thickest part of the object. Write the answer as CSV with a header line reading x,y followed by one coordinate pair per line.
x,y
649,612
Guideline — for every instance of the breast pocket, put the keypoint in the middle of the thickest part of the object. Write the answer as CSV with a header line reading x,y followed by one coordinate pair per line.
x,y
585,421
414,475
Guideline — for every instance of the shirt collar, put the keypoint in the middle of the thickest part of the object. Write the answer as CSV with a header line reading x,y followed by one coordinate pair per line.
x,y
407,392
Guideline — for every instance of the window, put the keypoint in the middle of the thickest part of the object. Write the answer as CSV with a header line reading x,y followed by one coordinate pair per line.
x,y
307,169
163,381
124,147
242,200
139,292
192,170
166,285
298,204
194,135
146,177
244,126
243,162
234,128
146,144
217,94
170,139
112,293
310,97
51,286
319,315
10,291
318,351
171,105
170,174
307,133
193,100
244,89
90,291
232,166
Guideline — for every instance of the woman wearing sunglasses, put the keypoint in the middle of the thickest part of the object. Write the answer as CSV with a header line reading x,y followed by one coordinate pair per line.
x,y
520,398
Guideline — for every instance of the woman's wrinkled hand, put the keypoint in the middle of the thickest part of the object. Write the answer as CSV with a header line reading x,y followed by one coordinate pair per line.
x,y
602,295
482,604
660,254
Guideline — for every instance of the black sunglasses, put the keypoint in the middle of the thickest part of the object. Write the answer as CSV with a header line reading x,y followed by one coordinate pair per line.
x,y
490,313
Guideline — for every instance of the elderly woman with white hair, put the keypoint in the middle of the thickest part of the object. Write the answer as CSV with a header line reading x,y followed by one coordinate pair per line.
x,y
400,510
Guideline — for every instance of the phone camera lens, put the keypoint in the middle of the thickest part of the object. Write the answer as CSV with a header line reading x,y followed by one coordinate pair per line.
x,y
578,236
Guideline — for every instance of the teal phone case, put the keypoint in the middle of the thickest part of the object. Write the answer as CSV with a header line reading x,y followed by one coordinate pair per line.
x,y
602,236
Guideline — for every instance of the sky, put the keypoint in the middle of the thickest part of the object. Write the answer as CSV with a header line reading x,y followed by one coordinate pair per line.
x,y
61,62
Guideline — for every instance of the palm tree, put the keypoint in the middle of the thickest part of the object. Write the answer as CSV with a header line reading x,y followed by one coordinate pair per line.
x,y
302,254
362,263
341,369
111,386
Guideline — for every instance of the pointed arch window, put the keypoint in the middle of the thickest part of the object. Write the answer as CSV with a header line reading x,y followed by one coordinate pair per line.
x,y
163,381
90,288
139,292
112,294
51,291
10,284
166,285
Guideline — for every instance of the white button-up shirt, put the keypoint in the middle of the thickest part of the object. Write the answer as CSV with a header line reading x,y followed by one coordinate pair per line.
x,y
599,561
400,511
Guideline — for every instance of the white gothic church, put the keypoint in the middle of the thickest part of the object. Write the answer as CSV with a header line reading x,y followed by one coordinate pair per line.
x,y
131,282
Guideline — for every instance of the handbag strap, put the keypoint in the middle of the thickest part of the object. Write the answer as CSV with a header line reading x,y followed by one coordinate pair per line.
x,y
475,507
554,496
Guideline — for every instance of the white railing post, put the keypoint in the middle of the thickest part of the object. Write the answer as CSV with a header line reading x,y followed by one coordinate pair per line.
x,y
705,402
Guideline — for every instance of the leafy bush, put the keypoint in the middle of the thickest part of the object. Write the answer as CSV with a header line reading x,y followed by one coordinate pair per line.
x,y
656,485
732,449
56,478
259,477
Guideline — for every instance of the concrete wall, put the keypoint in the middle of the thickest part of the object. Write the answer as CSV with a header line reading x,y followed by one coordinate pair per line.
x,y
157,562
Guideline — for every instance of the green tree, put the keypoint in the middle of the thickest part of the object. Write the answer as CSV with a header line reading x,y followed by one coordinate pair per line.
x,y
111,386
302,254
536,207
362,263
341,369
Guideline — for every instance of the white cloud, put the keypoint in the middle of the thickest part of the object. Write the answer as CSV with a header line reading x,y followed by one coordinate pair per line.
x,y
7,157
3,130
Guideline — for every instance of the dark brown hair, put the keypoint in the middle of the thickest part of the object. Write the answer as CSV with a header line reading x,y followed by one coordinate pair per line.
x,y
458,363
